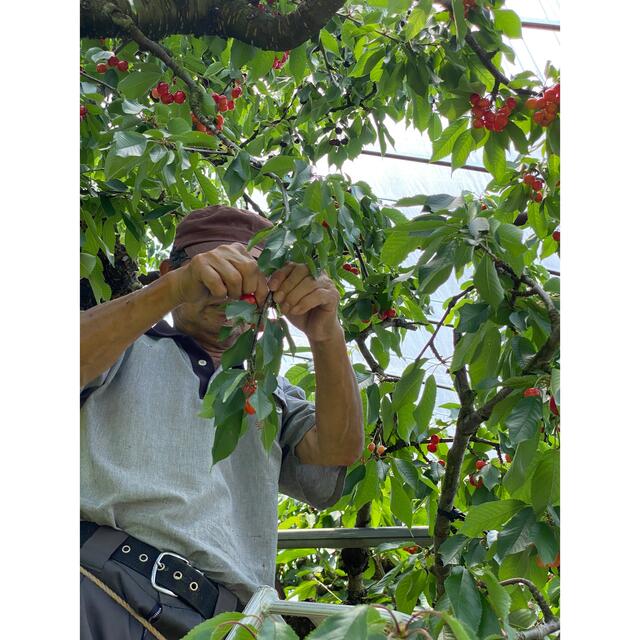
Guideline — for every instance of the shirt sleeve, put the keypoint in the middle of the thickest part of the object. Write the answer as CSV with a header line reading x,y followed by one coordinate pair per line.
x,y
318,485
104,378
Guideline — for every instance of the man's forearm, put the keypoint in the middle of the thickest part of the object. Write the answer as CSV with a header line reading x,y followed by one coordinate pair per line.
x,y
339,421
106,330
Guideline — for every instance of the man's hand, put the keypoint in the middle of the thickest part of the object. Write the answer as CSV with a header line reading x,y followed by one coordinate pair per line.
x,y
309,304
225,272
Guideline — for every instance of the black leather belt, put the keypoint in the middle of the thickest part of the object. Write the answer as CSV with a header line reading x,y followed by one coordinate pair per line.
x,y
168,572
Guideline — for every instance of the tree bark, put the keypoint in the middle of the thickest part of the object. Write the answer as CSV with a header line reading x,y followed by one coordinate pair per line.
x,y
226,18
356,561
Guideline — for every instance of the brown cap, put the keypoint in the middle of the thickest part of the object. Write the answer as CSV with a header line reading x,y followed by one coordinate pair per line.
x,y
205,229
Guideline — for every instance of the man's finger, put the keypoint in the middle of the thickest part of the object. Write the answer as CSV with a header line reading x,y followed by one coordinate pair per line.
x,y
295,277
278,277
317,298
306,286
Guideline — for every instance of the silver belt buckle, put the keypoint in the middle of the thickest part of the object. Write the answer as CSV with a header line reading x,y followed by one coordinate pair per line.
x,y
154,572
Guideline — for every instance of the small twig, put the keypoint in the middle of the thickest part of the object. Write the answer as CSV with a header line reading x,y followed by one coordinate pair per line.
x,y
326,62
450,306
539,632
256,208
363,266
374,365
102,82
537,596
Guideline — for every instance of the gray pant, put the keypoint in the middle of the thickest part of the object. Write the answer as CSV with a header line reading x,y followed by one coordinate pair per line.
x,y
101,618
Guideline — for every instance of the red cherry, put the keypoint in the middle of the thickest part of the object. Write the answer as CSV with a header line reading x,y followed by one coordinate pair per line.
x,y
537,197
381,449
539,117
162,88
536,185
193,118
553,407
484,103
219,121
432,447
355,271
222,105
83,111
236,92
483,207
477,123
166,98
507,457
113,61
325,224
179,97
249,388
231,105
249,297
480,464
474,98
556,236
472,480
201,127
371,447
216,97
123,65
434,439
528,178
551,108
549,95
531,103
442,462
154,93
501,121
532,392
248,408
511,104
392,313
346,266
101,68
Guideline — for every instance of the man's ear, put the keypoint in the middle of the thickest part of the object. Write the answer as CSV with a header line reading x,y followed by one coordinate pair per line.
x,y
165,267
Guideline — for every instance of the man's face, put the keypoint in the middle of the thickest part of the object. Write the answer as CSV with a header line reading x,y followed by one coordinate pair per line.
x,y
206,318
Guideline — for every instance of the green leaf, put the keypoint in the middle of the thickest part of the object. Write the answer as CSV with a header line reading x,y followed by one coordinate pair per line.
x,y
351,624
400,502
241,53
464,597
424,409
456,628
239,351
545,484
237,175
516,536
510,237
280,165
329,41
461,23
498,596
226,437
397,247
524,420
472,316
487,282
177,126
408,386
129,143
462,147
261,63
443,146
87,264
508,22
489,515
520,465
218,627
276,630
451,549
298,63
494,158
138,83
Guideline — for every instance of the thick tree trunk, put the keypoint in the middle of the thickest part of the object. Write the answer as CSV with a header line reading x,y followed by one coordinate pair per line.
x,y
356,561
226,18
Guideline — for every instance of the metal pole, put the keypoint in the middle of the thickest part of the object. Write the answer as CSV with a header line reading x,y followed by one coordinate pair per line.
x,y
363,537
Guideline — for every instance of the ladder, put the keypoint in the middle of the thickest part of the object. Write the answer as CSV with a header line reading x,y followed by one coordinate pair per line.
x,y
266,602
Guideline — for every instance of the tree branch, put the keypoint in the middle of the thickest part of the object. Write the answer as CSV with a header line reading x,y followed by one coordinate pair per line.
x,y
225,18
539,632
537,596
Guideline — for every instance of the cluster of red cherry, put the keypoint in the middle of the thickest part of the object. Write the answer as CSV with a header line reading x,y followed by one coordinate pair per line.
x,y
536,185
226,103
352,268
483,116
434,441
547,106
161,92
278,63
113,61
83,112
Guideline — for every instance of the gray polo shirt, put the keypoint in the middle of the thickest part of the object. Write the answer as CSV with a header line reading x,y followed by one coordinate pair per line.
x,y
146,463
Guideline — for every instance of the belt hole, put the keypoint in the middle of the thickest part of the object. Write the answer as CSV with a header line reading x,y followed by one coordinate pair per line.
x,y
177,575
126,548
143,557
160,566
193,586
